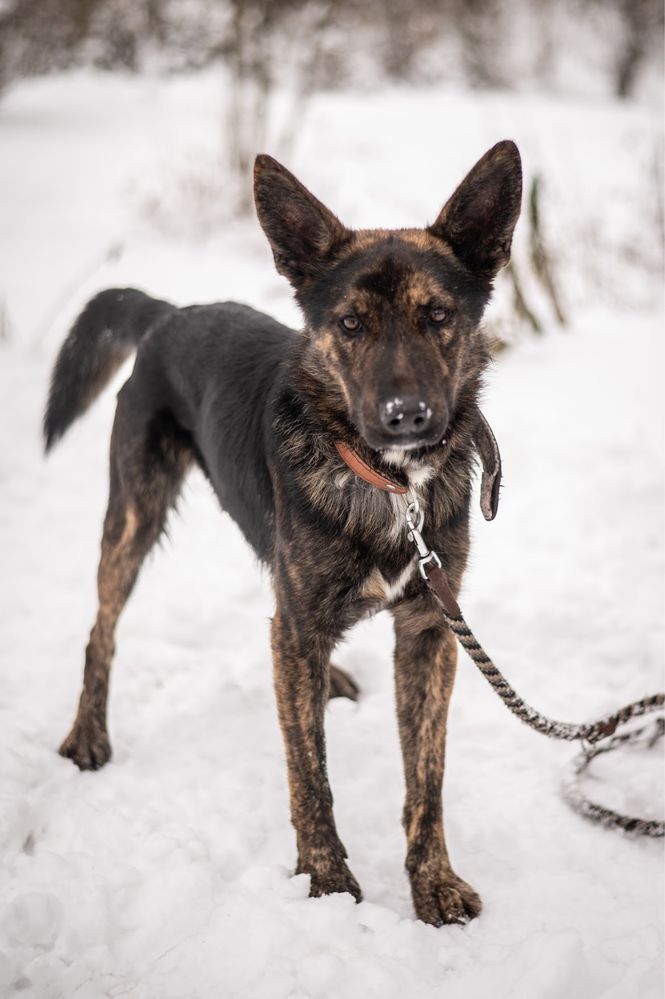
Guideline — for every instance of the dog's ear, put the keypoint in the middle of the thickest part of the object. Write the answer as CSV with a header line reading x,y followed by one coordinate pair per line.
x,y
477,222
302,232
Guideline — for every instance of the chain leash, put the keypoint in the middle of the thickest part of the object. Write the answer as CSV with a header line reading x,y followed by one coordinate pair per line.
x,y
596,737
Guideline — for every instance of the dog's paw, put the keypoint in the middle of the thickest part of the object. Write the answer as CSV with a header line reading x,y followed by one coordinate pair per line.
x,y
332,883
342,685
87,745
330,876
444,898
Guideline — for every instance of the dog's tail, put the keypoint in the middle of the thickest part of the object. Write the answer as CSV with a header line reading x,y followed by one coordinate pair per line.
x,y
104,335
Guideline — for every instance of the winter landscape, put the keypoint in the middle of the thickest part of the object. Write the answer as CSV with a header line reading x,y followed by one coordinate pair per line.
x,y
168,874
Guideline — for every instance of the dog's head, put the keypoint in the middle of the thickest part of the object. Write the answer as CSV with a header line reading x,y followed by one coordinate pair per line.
x,y
392,315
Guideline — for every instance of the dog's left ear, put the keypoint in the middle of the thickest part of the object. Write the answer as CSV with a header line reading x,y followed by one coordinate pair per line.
x,y
477,222
302,232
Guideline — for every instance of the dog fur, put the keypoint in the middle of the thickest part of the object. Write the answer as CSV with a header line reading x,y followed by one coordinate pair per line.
x,y
388,316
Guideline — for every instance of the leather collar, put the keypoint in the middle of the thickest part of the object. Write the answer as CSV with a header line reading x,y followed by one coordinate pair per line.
x,y
366,472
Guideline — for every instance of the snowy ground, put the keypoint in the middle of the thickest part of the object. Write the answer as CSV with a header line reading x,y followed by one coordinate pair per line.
x,y
167,875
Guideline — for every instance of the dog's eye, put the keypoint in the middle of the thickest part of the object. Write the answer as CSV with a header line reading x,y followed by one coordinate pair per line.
x,y
351,324
438,315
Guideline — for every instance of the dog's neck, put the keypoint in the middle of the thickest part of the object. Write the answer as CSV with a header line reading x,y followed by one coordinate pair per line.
x,y
418,473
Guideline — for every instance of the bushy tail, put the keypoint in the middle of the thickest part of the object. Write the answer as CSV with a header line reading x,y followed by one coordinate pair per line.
x,y
104,335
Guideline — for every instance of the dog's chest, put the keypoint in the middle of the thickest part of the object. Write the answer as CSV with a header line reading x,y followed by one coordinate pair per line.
x,y
378,586
377,589
378,511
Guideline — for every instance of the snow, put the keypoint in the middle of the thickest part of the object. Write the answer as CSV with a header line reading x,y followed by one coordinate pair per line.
x,y
168,873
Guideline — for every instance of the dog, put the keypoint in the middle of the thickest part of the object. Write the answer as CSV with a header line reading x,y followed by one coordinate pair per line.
x,y
308,438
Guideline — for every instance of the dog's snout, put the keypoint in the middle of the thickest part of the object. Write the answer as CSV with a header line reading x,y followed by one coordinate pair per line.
x,y
406,416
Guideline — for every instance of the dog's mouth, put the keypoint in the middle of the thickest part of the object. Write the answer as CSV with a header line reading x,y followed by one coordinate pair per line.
x,y
401,445
398,457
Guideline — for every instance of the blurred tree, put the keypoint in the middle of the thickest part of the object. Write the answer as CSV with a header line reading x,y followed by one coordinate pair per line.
x,y
481,32
41,36
483,43
643,28
270,42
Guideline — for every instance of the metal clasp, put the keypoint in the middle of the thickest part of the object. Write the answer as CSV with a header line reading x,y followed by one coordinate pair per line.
x,y
415,519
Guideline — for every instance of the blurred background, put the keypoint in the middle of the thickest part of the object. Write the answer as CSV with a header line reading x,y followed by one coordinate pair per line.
x,y
124,120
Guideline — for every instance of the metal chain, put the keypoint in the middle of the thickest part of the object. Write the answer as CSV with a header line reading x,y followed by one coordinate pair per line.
x,y
596,737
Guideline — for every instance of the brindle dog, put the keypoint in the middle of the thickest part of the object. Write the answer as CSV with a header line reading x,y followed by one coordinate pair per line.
x,y
390,363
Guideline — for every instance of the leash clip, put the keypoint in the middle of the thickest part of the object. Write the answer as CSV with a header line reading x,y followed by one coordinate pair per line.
x,y
415,518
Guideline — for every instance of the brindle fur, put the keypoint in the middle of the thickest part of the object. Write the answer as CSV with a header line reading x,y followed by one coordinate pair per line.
x,y
259,407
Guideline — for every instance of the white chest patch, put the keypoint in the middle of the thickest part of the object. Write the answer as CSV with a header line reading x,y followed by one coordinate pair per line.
x,y
396,588
378,588
418,475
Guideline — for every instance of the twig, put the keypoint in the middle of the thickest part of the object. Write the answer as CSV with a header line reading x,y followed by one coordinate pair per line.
x,y
539,256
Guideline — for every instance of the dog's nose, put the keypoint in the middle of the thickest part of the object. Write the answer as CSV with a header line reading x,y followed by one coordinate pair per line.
x,y
406,416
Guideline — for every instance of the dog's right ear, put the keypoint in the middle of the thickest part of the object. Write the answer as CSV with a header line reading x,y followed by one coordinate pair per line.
x,y
302,232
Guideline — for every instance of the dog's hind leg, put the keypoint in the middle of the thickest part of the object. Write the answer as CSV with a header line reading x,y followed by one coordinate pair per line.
x,y
425,661
342,684
149,458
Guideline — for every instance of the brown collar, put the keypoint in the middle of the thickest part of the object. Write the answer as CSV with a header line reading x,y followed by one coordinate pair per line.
x,y
366,472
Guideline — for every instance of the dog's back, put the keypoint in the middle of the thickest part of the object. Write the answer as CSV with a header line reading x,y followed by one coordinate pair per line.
x,y
212,368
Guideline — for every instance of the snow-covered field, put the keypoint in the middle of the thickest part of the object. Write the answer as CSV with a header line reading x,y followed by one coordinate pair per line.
x,y
167,875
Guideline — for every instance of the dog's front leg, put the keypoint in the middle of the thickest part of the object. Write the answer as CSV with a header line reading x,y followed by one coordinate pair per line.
x,y
301,663
425,661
